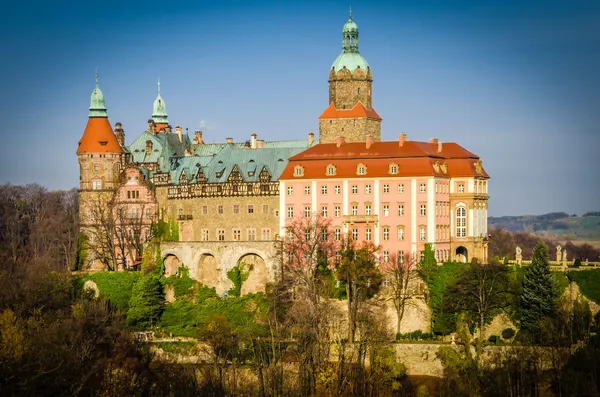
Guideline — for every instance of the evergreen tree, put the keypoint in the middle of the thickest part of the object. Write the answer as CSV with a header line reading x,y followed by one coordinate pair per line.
x,y
540,293
147,302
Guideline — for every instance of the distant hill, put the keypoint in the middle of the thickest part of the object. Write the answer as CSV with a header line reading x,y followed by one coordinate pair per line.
x,y
559,224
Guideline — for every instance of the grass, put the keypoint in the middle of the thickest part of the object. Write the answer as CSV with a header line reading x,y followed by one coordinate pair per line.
x,y
588,282
116,287
184,347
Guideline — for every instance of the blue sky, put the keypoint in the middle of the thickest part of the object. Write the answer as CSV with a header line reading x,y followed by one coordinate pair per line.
x,y
516,82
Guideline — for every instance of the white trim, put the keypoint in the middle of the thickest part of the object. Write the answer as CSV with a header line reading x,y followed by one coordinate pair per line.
x,y
376,210
413,211
282,209
470,223
452,234
470,186
431,210
314,193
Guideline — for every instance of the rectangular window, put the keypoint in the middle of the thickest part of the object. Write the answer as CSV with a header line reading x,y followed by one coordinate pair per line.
x,y
422,188
265,208
204,235
324,212
401,234
422,233
324,234
354,189
368,234
386,233
306,212
96,167
219,209
251,234
129,194
386,188
461,187
336,211
266,234
221,234
338,234
400,257
236,208
97,184
237,234
400,188
251,208
354,209
307,190
400,209
367,189
354,234
290,212
386,256
290,190
324,189
337,189
367,209
148,213
204,209
386,210
423,209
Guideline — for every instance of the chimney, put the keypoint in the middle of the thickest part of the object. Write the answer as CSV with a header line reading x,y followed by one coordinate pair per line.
x,y
401,139
260,143
433,140
369,141
151,127
311,138
339,141
229,140
440,147
247,145
253,141
198,137
120,133
188,152
179,133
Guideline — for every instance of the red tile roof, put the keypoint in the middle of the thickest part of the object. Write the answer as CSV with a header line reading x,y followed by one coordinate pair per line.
x,y
98,137
357,111
413,159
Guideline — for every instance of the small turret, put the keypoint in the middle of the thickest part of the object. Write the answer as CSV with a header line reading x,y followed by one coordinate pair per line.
x,y
159,111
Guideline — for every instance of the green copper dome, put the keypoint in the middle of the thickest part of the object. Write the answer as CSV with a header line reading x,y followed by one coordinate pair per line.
x,y
97,106
350,57
159,110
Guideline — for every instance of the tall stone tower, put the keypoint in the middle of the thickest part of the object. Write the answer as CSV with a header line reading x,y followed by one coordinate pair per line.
x,y
350,113
99,154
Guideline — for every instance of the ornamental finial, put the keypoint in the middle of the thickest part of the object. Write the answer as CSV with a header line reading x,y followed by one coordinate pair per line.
x,y
159,85
351,12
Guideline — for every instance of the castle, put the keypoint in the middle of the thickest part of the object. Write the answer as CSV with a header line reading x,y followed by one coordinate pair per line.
x,y
229,201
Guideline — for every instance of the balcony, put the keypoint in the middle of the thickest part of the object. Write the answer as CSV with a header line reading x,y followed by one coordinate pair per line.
x,y
182,217
360,219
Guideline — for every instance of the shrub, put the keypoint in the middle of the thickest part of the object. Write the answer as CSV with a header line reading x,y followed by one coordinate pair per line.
x,y
494,339
508,333
147,302
506,260
577,262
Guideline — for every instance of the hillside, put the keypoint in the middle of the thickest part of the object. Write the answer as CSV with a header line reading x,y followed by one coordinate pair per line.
x,y
558,224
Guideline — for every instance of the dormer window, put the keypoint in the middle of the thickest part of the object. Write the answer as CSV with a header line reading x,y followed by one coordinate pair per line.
x,y
298,171
393,169
330,170
361,169
148,146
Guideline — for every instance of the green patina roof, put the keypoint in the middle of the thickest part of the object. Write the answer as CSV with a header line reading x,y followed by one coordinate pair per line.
x,y
350,57
97,106
159,110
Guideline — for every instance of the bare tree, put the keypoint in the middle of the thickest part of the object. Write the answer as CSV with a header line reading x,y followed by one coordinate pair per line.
x,y
402,281
99,227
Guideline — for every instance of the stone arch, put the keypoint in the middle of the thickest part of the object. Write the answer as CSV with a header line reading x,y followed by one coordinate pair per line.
x,y
258,275
462,254
172,263
208,270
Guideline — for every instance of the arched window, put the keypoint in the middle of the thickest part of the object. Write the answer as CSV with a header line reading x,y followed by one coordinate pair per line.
x,y
461,222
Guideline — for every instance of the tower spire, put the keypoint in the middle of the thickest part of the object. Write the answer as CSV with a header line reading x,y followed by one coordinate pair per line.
x,y
159,110
97,105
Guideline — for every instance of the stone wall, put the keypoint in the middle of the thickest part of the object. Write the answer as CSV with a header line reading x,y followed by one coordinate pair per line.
x,y
346,93
204,214
352,129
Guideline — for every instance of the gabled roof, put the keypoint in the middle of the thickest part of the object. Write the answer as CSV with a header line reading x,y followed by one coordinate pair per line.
x,y
358,111
98,137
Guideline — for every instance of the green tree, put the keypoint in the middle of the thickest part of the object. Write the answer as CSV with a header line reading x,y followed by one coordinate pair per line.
x,y
362,278
540,293
147,302
479,293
